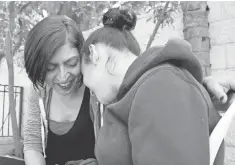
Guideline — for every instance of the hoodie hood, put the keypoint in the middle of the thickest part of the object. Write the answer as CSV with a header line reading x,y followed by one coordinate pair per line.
x,y
176,51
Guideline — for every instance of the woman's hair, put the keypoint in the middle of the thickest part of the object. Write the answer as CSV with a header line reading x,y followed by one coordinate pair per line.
x,y
45,38
115,33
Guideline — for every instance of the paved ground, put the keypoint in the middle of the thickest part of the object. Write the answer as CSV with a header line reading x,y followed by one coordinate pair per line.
x,y
230,146
6,145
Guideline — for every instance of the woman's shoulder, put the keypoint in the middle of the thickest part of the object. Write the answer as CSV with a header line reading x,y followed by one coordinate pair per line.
x,y
39,91
35,94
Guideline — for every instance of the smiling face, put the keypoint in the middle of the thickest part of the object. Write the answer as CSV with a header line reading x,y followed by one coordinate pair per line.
x,y
63,70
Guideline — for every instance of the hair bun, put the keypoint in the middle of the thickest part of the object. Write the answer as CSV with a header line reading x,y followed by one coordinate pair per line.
x,y
120,19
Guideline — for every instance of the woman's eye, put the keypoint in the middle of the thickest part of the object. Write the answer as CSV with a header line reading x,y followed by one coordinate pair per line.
x,y
51,67
72,63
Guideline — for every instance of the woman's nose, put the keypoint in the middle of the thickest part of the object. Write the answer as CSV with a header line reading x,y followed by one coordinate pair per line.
x,y
62,75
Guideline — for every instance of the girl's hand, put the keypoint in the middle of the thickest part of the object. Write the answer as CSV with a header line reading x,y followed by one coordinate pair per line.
x,y
219,86
222,90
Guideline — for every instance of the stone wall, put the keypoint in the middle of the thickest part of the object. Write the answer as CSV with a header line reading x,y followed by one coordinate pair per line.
x,y
222,34
222,55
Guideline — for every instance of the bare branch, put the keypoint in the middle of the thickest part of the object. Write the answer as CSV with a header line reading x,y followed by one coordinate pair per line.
x,y
25,6
159,22
17,45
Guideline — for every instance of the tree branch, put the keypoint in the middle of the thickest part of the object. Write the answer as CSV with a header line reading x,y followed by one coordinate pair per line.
x,y
25,6
159,22
17,45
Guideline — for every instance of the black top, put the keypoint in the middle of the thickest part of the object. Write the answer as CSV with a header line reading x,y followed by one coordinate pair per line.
x,y
78,143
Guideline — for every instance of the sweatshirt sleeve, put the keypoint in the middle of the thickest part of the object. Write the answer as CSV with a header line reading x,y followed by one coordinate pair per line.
x,y
32,127
168,122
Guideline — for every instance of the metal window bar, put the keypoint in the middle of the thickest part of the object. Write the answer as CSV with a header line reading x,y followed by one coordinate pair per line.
x,y
5,124
3,120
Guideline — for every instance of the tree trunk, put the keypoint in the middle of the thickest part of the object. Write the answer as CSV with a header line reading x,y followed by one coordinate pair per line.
x,y
65,9
159,22
9,57
2,54
196,30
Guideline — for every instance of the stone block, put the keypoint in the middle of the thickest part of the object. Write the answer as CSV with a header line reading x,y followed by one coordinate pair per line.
x,y
230,55
178,22
215,11
193,6
211,2
217,57
218,72
200,44
196,14
227,9
196,32
230,138
200,21
222,32
229,156
204,56
215,72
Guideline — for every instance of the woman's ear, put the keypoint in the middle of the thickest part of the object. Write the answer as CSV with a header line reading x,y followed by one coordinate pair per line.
x,y
93,54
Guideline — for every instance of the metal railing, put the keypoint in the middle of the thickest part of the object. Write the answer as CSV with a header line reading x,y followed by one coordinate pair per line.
x,y
5,118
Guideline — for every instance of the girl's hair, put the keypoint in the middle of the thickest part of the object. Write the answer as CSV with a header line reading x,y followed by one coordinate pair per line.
x,y
45,38
115,33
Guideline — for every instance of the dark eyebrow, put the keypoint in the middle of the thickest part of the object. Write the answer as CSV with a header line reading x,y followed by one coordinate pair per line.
x,y
72,58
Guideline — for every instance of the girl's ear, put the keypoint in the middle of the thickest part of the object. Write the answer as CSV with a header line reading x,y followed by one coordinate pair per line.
x,y
93,54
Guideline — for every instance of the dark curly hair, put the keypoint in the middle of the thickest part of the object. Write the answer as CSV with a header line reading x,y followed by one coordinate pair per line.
x,y
115,33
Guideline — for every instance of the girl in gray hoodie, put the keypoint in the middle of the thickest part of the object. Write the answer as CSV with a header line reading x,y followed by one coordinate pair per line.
x,y
158,112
